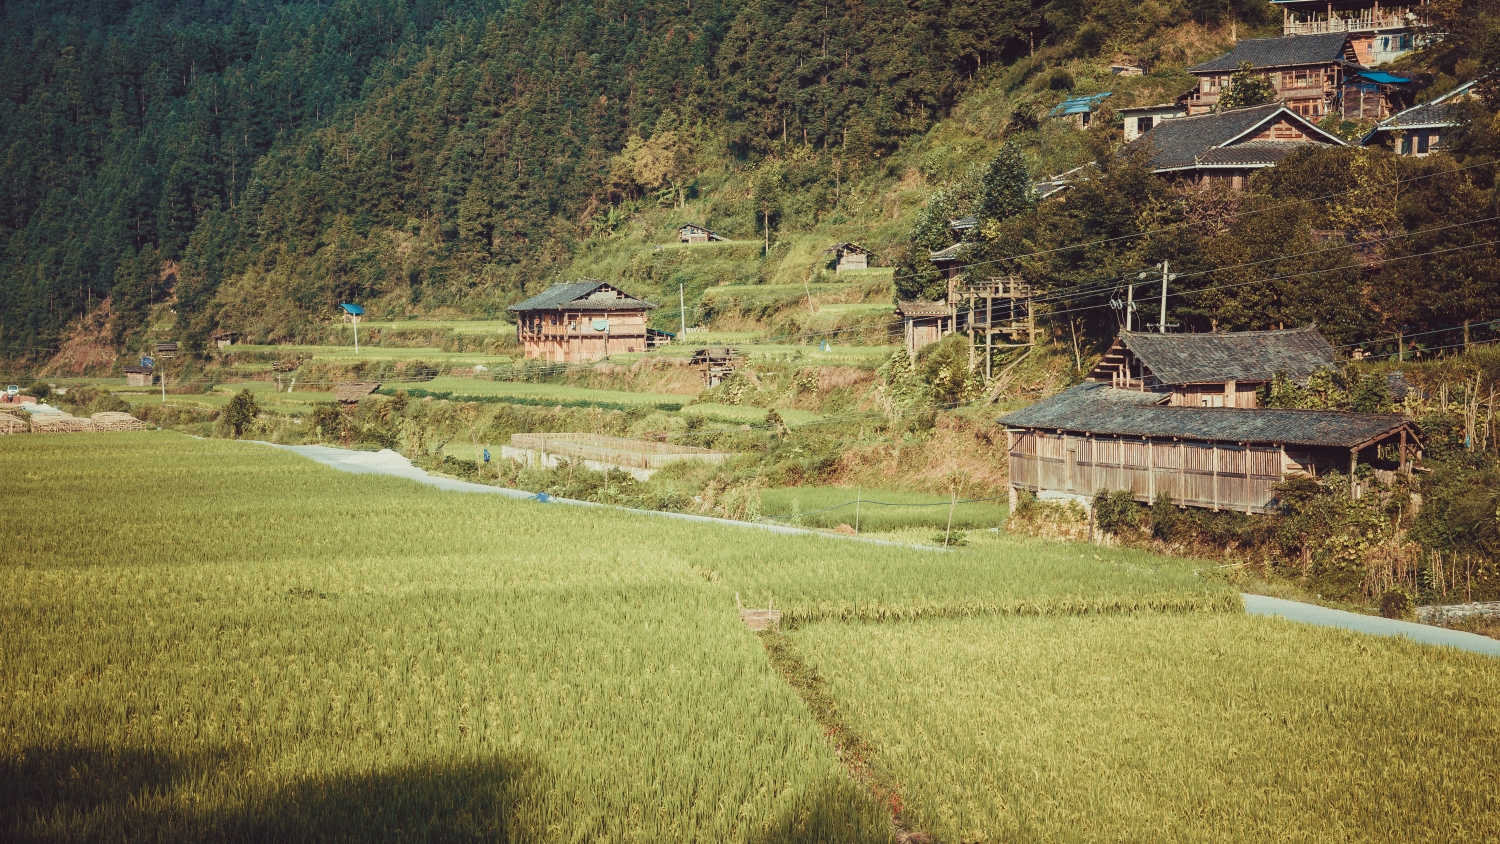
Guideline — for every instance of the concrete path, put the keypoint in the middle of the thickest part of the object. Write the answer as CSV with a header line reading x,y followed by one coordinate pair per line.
x,y
387,462
1373,625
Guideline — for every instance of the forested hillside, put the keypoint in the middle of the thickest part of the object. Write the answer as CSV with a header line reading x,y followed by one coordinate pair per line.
x,y
254,163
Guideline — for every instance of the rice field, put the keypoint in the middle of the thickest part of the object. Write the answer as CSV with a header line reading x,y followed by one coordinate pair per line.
x,y
204,639
1203,728
201,639
878,510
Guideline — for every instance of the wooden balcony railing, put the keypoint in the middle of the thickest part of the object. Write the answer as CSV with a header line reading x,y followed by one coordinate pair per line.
x,y
1360,24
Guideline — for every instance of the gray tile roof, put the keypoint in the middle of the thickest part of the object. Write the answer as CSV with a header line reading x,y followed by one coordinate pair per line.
x,y
1239,356
1095,409
584,295
1279,52
950,253
921,307
1184,142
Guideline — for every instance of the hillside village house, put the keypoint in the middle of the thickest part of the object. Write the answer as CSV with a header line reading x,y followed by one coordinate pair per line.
x,y
1142,119
693,233
924,323
138,376
1170,414
1378,31
1211,370
1079,110
1306,71
581,321
1230,145
850,256
1419,130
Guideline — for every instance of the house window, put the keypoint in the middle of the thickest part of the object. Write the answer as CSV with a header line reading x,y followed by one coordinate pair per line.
x,y
1083,119
1422,143
1144,124
1385,43
1406,146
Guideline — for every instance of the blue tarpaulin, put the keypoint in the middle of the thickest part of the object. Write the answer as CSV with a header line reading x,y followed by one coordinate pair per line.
x,y
1382,77
356,310
1077,105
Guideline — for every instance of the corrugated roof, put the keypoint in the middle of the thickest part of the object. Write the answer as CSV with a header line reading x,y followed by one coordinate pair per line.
x,y
1234,356
1096,409
1181,142
584,295
1382,77
1280,52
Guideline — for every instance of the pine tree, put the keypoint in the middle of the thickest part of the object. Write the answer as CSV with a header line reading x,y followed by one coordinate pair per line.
x,y
1005,190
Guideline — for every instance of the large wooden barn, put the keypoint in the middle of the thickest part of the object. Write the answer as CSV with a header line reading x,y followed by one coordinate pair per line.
x,y
581,321
1096,437
1211,370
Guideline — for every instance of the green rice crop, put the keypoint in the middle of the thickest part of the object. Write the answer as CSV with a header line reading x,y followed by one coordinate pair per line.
x,y
879,509
212,640
1169,728
1011,577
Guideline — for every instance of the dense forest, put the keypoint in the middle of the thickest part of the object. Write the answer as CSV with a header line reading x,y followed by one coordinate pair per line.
x,y
256,162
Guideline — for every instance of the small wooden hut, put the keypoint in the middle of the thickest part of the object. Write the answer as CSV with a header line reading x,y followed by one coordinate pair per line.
x,y
138,376
716,363
581,321
166,350
925,322
225,339
694,233
850,256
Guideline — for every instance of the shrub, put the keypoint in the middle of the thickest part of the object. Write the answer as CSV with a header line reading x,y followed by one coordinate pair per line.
x,y
1116,512
239,415
1396,603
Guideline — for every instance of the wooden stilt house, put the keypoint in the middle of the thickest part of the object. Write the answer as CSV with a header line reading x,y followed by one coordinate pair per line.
x,y
581,321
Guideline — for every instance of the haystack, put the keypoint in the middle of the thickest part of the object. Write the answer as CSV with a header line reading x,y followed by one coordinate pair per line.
x,y
115,421
59,423
12,424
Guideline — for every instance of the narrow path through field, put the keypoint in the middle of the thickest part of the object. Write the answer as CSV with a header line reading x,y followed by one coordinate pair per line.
x,y
1373,625
387,462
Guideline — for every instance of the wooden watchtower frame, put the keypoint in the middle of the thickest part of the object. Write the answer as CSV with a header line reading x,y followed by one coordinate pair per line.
x,y
1012,317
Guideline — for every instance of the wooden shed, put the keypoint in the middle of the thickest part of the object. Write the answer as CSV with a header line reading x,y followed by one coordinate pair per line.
x,y
694,233
1211,370
138,376
850,256
581,321
1095,437
925,322
166,350
225,339
716,363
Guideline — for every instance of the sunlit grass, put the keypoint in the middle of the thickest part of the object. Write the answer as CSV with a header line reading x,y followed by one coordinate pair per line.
x,y
1202,727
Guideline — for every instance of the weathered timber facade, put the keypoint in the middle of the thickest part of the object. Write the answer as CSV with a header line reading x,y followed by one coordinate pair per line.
x,y
581,321
1094,437
138,376
850,256
924,323
1378,31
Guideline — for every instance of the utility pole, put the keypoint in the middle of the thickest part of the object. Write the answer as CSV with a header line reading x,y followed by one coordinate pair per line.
x,y
1129,305
356,335
682,311
1162,324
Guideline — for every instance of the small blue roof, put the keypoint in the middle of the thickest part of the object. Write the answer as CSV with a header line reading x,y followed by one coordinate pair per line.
x,y
357,310
1077,105
1382,77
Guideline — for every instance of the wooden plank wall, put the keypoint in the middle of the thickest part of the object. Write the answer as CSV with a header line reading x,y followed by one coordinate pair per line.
x,y
1221,476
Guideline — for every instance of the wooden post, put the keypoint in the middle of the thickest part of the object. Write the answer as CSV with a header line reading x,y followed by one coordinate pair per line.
x,y
1405,467
1353,465
858,494
1216,477
1150,469
953,502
